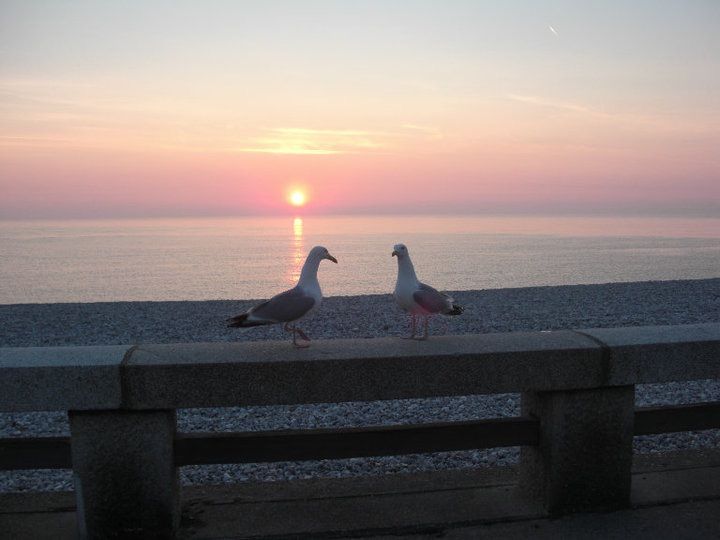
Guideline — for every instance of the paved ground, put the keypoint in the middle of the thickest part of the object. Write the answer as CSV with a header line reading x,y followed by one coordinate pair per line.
x,y
691,520
673,497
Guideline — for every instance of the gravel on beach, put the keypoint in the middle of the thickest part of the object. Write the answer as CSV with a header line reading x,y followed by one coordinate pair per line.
x,y
498,310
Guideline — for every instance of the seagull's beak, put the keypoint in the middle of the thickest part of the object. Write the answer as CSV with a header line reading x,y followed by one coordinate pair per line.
x,y
394,253
331,258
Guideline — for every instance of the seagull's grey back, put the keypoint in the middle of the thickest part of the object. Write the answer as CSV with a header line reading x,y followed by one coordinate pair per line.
x,y
285,307
431,300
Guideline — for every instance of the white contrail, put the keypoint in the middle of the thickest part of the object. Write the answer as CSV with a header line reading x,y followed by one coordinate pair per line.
x,y
553,30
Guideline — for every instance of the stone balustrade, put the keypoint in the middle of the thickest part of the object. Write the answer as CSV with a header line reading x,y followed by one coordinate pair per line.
x,y
577,386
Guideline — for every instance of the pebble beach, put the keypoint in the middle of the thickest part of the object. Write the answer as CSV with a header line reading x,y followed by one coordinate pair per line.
x,y
495,310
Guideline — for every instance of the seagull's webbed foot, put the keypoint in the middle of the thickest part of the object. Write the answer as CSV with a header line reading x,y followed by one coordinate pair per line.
x,y
295,331
300,344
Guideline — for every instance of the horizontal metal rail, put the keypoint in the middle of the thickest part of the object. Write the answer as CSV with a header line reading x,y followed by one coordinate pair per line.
x,y
35,453
316,444
670,419
306,445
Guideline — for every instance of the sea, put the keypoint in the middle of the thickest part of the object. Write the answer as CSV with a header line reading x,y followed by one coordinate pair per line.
x,y
254,258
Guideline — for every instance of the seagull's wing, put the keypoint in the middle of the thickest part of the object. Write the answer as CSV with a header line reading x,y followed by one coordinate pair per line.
x,y
431,300
284,307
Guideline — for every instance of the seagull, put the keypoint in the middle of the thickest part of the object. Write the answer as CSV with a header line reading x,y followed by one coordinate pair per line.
x,y
291,305
415,297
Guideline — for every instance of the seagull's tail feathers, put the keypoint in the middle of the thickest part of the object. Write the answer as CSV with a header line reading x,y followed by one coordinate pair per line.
x,y
242,321
455,310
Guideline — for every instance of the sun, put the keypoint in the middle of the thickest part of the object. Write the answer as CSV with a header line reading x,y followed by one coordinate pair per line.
x,y
297,198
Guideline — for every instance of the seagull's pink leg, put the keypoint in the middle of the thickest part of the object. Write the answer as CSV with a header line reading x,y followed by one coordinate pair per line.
x,y
412,327
425,330
295,331
299,345
302,334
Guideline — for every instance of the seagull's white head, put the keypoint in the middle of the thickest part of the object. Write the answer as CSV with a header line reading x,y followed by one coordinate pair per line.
x,y
319,253
400,251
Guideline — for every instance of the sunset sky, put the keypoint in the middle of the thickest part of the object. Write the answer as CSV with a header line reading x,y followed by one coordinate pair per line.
x,y
174,108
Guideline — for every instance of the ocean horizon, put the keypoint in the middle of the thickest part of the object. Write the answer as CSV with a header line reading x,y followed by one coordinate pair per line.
x,y
255,257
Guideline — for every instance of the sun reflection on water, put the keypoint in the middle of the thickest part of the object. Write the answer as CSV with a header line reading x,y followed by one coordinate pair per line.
x,y
297,250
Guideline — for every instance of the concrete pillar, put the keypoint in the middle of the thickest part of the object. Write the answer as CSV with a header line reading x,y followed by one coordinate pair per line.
x,y
584,457
126,482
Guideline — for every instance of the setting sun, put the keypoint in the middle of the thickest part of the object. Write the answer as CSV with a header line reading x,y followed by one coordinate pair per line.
x,y
297,198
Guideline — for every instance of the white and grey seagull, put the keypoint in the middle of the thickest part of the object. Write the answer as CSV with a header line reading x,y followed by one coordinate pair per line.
x,y
291,305
415,297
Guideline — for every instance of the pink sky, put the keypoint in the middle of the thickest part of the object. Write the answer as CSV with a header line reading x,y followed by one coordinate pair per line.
x,y
217,110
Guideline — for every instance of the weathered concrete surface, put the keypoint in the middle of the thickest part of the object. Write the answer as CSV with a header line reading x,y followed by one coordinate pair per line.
x,y
357,370
404,504
273,373
60,378
126,482
656,354
583,459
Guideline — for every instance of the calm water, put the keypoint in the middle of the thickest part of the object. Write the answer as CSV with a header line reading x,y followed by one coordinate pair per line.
x,y
194,259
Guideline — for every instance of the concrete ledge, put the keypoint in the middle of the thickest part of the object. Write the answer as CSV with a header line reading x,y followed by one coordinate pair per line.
x,y
655,354
60,378
269,373
273,373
